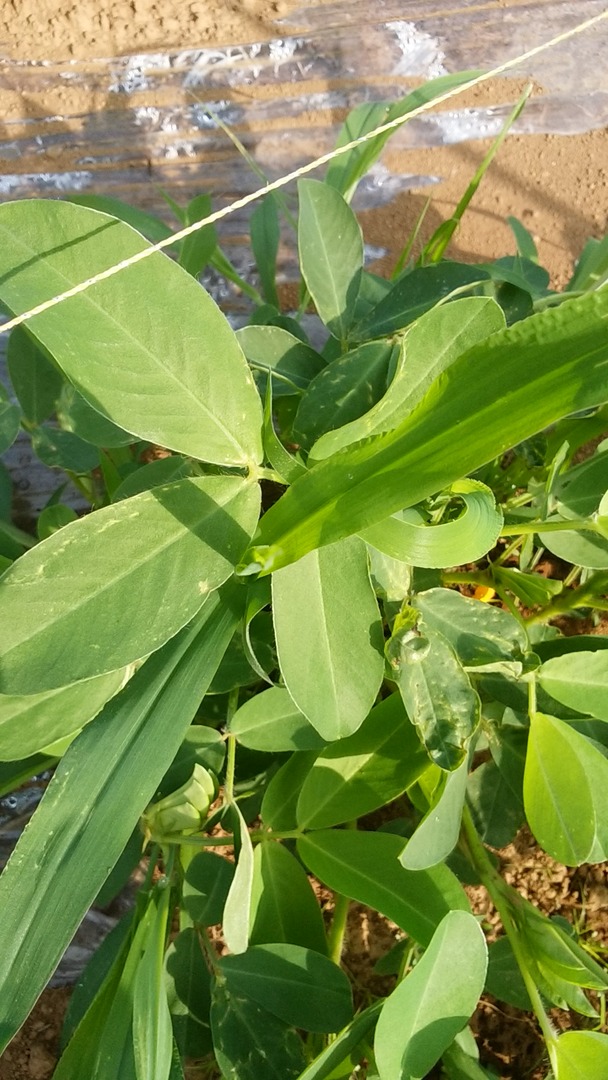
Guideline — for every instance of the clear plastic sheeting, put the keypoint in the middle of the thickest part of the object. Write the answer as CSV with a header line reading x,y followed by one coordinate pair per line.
x,y
127,125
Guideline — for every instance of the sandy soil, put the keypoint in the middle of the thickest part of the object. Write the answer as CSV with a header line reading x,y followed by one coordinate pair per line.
x,y
59,29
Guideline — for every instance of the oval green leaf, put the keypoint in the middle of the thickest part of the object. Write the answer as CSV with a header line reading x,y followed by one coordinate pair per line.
x,y
566,792
356,775
579,680
300,986
433,1003
28,724
343,391
330,246
329,637
283,905
122,342
365,866
113,586
271,722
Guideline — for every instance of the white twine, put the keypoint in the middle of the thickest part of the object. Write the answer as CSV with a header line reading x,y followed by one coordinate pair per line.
x,y
302,171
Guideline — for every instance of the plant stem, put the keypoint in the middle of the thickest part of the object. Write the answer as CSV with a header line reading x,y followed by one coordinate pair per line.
x,y
335,937
495,886
337,930
202,841
233,702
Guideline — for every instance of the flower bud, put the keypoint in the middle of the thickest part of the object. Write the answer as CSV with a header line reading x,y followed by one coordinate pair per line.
x,y
184,810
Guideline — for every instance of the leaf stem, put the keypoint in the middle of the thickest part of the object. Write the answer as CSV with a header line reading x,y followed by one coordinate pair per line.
x,y
524,527
227,840
337,930
233,703
495,886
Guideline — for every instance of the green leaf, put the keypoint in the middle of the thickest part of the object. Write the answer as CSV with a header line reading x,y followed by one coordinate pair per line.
x,y
438,832
140,369
343,391
147,224
156,473
523,273
152,1035
76,836
339,1050
300,986
77,416
188,989
109,953
330,247
579,1055
207,882
251,1043
10,422
331,661
433,1003
580,548
591,266
497,812
579,491
265,236
36,381
197,249
579,680
566,792
283,905
365,867
287,467
237,907
436,692
413,294
271,722
345,171
28,724
547,366
479,633
102,1045
62,450
201,745
281,796
526,246
410,539
504,979
358,774
531,589
115,585
434,341
271,350
392,579
53,518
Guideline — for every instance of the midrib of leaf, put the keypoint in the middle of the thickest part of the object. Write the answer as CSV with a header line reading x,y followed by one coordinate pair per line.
x,y
143,348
